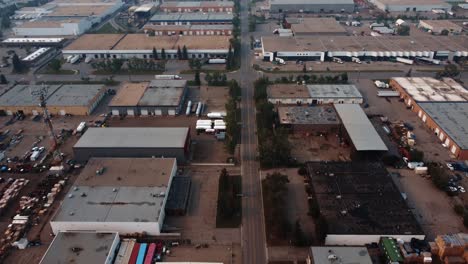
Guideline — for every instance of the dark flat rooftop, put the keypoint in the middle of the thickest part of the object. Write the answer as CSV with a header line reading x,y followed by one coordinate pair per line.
x,y
360,198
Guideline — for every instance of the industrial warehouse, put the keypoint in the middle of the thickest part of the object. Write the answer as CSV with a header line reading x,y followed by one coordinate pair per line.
x,y
442,105
189,30
197,6
191,18
325,48
60,99
141,46
313,94
125,195
158,97
311,6
307,119
91,247
349,196
411,5
142,142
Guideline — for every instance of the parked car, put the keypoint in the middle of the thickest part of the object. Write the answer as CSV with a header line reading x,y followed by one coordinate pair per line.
x,y
461,189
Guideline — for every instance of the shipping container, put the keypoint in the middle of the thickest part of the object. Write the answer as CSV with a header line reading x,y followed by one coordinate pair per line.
x,y
134,255
128,251
405,61
121,254
150,255
141,253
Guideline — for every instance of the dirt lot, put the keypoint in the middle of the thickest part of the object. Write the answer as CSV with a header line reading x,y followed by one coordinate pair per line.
x,y
317,148
432,208
199,224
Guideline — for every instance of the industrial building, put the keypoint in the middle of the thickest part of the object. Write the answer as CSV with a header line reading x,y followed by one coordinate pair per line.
x,y
360,203
61,99
359,130
313,94
158,97
42,42
325,48
197,6
442,105
439,26
171,142
411,5
82,247
59,18
345,255
124,195
311,26
309,119
191,18
126,46
311,6
190,30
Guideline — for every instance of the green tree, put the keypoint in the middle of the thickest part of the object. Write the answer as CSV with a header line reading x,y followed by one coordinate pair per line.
x,y
184,53
179,53
229,59
115,65
300,239
275,191
3,80
197,78
6,23
344,77
444,32
321,228
450,70
155,53
304,68
163,54
18,66
195,64
403,30
55,65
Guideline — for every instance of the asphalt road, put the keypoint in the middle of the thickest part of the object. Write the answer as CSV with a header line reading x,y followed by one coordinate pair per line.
x,y
254,248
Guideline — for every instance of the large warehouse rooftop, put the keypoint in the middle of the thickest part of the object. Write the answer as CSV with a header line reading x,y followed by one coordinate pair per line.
x,y
306,115
310,2
22,95
334,91
360,198
93,248
136,172
452,118
317,25
74,95
133,137
129,94
111,204
428,89
287,91
174,17
359,128
145,42
365,43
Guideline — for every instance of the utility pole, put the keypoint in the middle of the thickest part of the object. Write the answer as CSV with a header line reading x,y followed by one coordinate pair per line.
x,y
41,94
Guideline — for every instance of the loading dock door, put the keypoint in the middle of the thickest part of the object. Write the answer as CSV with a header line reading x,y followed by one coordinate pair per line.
x,y
424,118
115,112
441,137
144,112
158,112
171,112
130,112
35,112
447,142
454,149
62,112
420,113
437,131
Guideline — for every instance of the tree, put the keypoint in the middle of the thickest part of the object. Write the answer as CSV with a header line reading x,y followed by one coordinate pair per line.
x,y
410,71
195,64
229,59
197,78
163,54
155,54
18,66
115,65
304,68
3,80
275,191
300,239
465,218
344,77
179,53
444,32
6,21
184,53
55,65
314,209
403,30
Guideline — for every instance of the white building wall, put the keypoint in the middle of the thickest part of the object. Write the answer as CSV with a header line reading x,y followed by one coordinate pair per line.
x,y
111,256
361,240
66,29
151,228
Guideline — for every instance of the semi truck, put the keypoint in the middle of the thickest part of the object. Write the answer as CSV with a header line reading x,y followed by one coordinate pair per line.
x,y
167,77
216,61
405,61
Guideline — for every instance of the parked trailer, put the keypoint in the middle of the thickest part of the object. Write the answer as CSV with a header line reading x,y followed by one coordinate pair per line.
x,y
216,115
121,254
75,59
199,108
420,170
216,61
142,253
189,108
405,61
35,155
134,255
88,59
128,251
69,58
167,77
388,93
81,127
150,255
433,61
356,60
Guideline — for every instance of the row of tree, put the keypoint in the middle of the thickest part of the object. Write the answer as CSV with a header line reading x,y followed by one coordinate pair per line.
x,y
232,118
274,147
133,65
315,79
229,207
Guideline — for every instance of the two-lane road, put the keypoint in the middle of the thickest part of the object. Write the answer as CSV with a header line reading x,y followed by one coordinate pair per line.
x,y
254,249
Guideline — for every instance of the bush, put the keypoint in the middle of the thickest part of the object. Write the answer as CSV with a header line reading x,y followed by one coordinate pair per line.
x,y
459,209
302,171
314,209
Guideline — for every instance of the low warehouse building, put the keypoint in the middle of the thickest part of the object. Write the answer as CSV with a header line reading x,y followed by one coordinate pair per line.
x,y
317,26
306,119
325,48
411,5
360,203
197,6
311,6
125,46
314,94
439,26
210,18
123,195
82,247
134,142
325,255
441,105
60,99
158,97
189,30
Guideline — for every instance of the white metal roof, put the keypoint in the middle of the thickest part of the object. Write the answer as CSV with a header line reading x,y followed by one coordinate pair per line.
x,y
359,128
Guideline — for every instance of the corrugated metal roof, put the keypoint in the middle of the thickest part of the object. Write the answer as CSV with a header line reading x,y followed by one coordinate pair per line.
x,y
133,137
359,128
